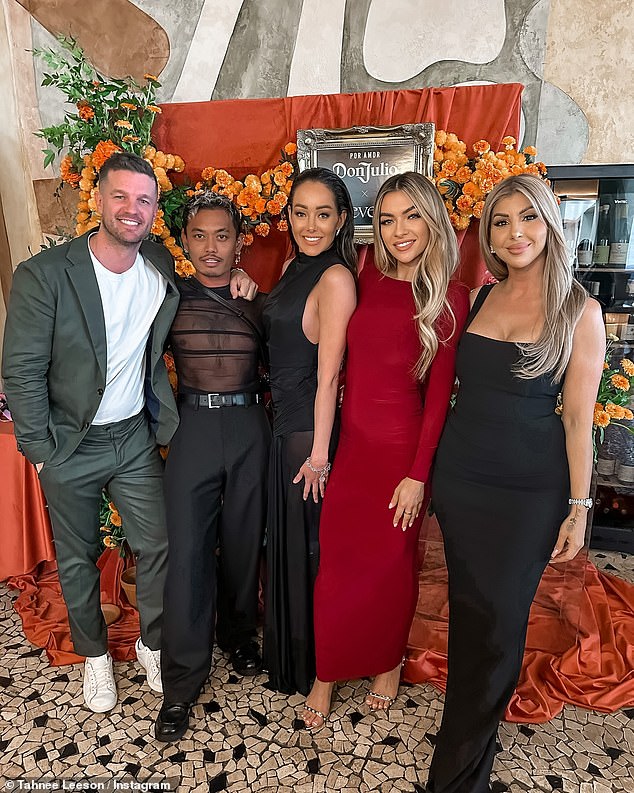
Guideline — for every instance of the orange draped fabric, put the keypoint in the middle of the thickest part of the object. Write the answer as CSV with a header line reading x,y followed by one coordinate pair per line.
x,y
246,136
580,643
24,524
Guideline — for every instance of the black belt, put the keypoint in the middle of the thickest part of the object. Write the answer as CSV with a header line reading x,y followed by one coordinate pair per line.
x,y
221,400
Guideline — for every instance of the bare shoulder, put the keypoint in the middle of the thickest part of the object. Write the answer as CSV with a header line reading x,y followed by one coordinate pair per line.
x,y
337,276
591,318
589,333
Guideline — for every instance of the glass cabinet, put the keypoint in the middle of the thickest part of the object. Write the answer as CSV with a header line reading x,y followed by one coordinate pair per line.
x,y
597,210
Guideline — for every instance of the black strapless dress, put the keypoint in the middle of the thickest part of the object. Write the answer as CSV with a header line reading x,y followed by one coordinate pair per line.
x,y
292,552
500,491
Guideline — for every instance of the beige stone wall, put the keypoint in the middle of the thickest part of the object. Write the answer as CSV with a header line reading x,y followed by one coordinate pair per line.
x,y
590,56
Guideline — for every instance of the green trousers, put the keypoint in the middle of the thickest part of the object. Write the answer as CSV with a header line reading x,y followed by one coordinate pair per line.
x,y
123,458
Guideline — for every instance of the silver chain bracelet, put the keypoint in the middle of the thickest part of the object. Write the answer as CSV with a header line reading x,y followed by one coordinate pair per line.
x,y
322,472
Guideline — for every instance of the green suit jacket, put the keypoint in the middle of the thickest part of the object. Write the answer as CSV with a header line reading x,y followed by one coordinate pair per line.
x,y
54,356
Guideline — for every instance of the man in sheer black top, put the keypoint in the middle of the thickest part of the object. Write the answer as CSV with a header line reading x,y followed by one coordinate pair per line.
x,y
215,475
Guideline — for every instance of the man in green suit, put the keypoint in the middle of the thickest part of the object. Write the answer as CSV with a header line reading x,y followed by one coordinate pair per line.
x,y
90,398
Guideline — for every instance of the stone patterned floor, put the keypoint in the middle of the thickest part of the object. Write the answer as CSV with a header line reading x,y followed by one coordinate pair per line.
x,y
246,738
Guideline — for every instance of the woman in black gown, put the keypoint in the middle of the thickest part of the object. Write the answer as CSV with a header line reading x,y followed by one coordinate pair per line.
x,y
305,318
512,478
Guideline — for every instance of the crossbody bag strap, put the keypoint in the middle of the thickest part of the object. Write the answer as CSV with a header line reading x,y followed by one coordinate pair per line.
x,y
264,353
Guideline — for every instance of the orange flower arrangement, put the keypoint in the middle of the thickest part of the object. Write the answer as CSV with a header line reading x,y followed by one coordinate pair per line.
x,y
614,395
260,199
464,181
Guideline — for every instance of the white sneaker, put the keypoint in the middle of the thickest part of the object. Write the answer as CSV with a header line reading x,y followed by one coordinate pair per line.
x,y
150,660
100,691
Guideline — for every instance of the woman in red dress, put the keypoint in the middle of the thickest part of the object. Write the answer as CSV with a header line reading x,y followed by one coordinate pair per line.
x,y
400,372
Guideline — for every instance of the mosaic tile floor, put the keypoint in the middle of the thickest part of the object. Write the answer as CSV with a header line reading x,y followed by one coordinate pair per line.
x,y
245,737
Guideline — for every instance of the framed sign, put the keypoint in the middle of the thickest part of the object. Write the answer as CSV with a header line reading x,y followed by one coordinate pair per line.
x,y
364,157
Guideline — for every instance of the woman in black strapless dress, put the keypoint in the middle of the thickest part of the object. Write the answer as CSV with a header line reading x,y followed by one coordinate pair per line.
x,y
305,318
511,476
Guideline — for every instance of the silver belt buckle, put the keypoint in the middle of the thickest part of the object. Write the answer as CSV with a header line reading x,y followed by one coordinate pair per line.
x,y
209,405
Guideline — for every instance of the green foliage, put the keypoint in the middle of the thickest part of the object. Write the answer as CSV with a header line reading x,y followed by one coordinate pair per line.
x,y
98,106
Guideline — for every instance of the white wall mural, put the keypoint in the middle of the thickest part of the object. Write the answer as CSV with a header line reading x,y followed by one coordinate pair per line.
x,y
227,49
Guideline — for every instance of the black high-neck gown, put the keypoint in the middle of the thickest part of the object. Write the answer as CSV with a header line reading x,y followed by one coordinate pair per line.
x,y
292,549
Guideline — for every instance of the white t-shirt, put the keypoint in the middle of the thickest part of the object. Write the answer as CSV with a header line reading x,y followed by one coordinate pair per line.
x,y
130,302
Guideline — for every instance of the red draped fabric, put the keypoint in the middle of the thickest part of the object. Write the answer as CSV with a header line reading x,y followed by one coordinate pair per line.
x,y
581,633
246,136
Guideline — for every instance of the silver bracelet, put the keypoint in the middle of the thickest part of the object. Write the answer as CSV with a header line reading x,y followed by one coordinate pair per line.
x,y
582,502
322,472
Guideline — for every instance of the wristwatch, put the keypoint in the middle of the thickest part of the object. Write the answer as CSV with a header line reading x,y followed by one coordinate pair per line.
x,y
582,502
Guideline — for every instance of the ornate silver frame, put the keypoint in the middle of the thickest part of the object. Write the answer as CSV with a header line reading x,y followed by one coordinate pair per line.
x,y
372,154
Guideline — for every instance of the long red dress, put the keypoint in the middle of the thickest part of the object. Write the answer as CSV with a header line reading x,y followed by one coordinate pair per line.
x,y
367,586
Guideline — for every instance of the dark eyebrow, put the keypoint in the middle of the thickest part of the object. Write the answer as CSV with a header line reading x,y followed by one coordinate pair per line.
x,y
324,206
214,231
521,212
404,212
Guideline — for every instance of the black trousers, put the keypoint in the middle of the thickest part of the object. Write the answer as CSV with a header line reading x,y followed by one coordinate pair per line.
x,y
215,497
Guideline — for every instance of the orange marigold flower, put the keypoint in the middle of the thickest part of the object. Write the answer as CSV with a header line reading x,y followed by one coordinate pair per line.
x,y
149,153
281,199
605,365
248,239
130,138
462,222
68,172
262,229
185,268
627,414
282,225
128,106
614,411
531,151
109,542
290,149
286,168
179,163
279,178
463,174
464,203
207,174
154,109
449,168
627,366
266,177
508,142
477,209
115,518
273,208
601,418
481,146
148,76
103,150
123,124
252,182
440,138
620,382
260,206
223,178
85,111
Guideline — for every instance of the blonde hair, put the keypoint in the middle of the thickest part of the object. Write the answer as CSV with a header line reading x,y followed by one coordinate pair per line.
x,y
563,297
435,267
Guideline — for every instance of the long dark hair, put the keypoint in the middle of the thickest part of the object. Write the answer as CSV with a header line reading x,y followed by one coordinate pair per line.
x,y
344,240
